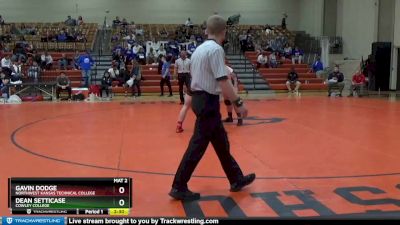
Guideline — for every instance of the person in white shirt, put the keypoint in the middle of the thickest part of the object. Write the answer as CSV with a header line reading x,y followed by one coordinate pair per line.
x,y
6,62
113,71
209,79
162,51
16,73
151,56
47,61
262,60
188,22
182,67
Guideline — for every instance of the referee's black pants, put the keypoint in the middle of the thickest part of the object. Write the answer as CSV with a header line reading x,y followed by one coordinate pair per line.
x,y
183,79
208,128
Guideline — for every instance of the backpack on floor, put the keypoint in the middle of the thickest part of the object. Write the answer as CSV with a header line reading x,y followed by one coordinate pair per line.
x,y
94,89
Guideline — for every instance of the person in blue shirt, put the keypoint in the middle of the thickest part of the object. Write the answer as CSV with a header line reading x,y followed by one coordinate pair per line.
x,y
297,55
173,48
62,37
85,65
166,74
191,47
318,67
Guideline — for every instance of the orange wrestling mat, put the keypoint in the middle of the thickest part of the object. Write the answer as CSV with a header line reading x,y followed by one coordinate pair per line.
x,y
313,156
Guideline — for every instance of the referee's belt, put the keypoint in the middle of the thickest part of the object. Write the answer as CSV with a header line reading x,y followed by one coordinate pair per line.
x,y
183,73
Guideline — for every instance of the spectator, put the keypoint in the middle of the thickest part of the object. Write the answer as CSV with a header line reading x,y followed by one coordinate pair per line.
x,y
63,84
188,23
16,72
116,22
63,62
1,20
357,83
273,62
151,56
6,62
4,88
62,37
293,79
262,60
46,61
70,21
192,47
318,67
34,72
113,71
297,55
162,51
141,56
106,84
335,80
85,64
166,74
136,75
287,51
283,24
76,60
80,21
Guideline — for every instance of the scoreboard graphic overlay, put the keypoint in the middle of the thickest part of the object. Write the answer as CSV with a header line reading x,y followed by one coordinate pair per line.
x,y
88,196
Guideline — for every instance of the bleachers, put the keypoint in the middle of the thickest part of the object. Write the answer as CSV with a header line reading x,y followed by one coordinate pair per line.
x,y
151,83
87,29
276,77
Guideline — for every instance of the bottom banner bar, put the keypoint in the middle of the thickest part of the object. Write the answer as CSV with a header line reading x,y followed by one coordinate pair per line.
x,y
60,212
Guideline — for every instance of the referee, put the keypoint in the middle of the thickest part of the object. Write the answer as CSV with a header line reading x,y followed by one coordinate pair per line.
x,y
182,66
209,78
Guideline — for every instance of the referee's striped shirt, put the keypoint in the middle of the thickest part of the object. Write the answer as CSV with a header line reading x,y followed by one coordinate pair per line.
x,y
207,67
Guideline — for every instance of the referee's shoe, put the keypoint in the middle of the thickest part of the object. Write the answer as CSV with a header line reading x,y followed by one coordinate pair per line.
x,y
185,195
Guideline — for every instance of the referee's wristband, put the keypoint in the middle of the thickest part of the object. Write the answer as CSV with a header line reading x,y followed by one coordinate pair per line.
x,y
238,102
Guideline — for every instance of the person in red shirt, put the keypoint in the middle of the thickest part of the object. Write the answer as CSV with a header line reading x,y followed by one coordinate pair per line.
x,y
357,83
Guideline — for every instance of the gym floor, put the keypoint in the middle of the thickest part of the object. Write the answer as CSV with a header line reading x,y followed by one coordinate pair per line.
x,y
313,155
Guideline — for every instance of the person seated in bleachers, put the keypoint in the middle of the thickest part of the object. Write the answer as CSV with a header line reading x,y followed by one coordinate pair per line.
x,y
151,56
4,88
318,67
192,47
63,84
118,58
34,72
136,76
46,61
129,56
141,56
161,51
357,82
62,36
293,79
16,72
297,56
79,22
262,60
287,51
335,80
113,70
63,62
273,62
70,21
6,62
106,84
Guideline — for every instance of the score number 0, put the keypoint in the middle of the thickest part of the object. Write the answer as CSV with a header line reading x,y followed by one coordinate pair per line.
x,y
121,190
